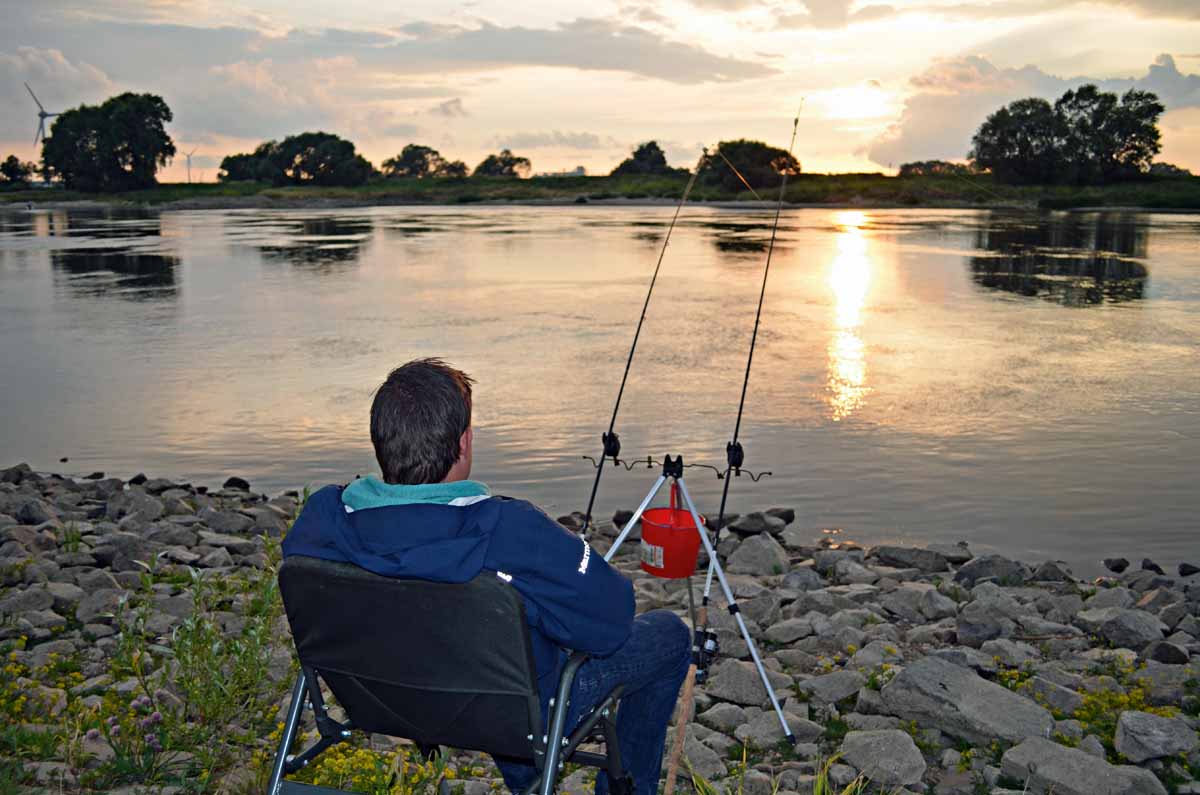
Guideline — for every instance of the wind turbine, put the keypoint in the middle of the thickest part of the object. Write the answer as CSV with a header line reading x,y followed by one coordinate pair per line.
x,y
42,116
189,162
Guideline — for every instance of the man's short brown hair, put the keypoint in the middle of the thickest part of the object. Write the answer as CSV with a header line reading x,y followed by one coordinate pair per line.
x,y
417,418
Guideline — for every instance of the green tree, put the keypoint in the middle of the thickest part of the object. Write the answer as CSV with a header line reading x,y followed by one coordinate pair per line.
x,y
934,168
420,161
1088,137
16,172
248,167
505,164
310,158
648,158
116,146
762,166
1020,143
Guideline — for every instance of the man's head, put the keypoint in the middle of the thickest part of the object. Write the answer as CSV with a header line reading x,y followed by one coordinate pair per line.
x,y
421,423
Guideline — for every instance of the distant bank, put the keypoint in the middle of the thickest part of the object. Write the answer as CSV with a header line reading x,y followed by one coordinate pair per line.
x,y
853,190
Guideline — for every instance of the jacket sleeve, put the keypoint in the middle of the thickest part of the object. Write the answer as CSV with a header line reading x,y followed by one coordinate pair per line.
x,y
574,596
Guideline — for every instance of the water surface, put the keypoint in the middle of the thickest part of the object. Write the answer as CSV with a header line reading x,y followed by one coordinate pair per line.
x,y
1028,382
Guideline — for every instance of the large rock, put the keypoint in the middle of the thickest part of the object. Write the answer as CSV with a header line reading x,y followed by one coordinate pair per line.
x,y
918,602
1143,735
802,579
703,760
1003,570
833,687
889,758
1045,767
764,730
760,555
225,521
98,607
755,523
955,700
1132,629
926,560
739,682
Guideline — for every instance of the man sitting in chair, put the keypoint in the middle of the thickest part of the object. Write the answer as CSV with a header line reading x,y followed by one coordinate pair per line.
x,y
425,519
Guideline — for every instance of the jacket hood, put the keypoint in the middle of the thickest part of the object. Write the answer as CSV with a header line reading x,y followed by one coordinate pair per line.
x,y
439,542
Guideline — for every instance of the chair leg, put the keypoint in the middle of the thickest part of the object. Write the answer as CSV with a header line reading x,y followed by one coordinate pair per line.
x,y
289,734
558,721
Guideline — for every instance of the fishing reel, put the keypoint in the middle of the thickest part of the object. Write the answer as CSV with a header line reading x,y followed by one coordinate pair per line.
x,y
705,648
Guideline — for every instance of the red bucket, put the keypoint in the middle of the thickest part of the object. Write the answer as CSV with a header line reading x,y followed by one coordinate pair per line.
x,y
670,542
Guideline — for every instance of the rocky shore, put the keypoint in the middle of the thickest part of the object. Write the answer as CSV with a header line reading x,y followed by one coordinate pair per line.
x,y
144,650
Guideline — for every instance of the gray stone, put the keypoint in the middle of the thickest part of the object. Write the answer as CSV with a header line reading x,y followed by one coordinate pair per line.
x,y
99,606
889,758
1001,569
759,555
1143,735
832,687
918,602
702,759
35,598
825,559
238,545
1166,652
926,560
764,730
1132,629
755,523
722,717
788,515
1092,745
739,682
802,578
1054,695
66,595
225,521
1053,571
789,631
955,700
1046,767
1110,597
851,571
34,512
1012,653
956,554
219,558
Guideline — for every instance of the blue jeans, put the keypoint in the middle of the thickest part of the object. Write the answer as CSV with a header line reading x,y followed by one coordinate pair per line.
x,y
652,665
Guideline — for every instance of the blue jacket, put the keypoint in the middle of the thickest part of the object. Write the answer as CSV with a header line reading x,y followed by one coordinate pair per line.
x,y
573,598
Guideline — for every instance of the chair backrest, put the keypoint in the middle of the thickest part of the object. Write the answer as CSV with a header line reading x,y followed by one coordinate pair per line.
x,y
438,663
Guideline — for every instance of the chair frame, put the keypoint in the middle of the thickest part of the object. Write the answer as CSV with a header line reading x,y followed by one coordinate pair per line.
x,y
549,751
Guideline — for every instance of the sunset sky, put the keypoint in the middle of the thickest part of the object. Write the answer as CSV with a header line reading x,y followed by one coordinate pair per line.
x,y
571,83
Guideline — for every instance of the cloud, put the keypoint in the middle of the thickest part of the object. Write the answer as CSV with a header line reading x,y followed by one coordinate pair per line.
x,y
833,14
954,96
58,82
555,139
451,108
589,44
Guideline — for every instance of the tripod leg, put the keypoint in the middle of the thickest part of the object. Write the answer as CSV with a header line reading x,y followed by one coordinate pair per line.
x,y
733,608
636,515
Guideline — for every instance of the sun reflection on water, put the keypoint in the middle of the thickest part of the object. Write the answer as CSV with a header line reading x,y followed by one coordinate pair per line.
x,y
849,280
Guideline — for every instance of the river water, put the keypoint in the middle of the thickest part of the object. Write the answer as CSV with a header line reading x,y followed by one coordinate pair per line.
x,y
1027,382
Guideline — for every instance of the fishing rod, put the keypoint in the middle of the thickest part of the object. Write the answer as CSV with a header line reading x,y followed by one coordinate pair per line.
x,y
610,440
735,455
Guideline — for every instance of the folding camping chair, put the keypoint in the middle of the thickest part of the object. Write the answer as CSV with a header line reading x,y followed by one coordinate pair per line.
x,y
440,664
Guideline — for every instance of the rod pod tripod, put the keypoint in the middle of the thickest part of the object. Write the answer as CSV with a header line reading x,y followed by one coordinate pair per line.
x,y
673,470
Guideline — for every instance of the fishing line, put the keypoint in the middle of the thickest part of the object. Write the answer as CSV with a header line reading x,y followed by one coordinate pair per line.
x,y
611,442
734,454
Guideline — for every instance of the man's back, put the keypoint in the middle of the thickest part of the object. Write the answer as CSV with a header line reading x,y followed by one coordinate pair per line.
x,y
451,532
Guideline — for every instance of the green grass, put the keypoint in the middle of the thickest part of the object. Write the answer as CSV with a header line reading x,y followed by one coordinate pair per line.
x,y
823,189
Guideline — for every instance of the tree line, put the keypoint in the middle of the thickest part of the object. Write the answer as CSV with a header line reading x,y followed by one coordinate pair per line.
x,y
1087,136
